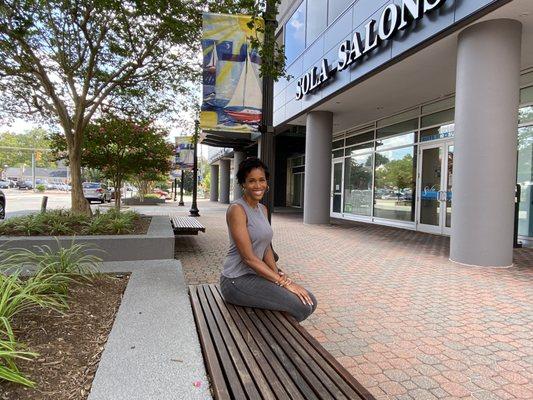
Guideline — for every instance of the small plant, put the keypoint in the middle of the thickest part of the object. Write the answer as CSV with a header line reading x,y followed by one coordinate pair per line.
x,y
10,351
41,188
74,260
120,225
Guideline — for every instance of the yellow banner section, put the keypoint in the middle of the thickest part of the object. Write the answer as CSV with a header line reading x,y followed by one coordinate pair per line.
x,y
232,87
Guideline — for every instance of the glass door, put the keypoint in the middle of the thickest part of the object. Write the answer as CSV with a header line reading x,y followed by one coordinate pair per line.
x,y
435,178
336,189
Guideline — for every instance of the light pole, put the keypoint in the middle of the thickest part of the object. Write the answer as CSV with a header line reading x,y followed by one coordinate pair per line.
x,y
181,203
193,212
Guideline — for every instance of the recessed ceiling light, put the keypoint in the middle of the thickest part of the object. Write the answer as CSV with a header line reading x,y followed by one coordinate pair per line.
x,y
524,14
337,102
379,108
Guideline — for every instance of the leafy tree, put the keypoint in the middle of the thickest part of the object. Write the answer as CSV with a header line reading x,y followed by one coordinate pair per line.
x,y
69,60
33,139
396,174
121,149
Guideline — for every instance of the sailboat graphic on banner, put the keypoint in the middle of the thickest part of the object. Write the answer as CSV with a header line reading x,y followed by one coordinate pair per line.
x,y
247,101
211,66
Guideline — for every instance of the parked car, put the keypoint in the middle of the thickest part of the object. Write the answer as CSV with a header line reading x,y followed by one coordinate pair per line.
x,y
96,191
2,205
4,185
27,185
161,193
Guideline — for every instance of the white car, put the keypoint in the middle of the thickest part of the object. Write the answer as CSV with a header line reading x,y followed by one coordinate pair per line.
x,y
95,191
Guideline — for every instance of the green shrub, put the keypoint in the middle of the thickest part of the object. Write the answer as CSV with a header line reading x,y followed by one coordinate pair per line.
x,y
40,188
151,196
64,222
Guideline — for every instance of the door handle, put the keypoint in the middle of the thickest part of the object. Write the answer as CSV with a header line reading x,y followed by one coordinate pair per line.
x,y
442,195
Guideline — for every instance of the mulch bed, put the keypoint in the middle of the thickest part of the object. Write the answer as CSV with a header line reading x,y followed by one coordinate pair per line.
x,y
70,345
141,226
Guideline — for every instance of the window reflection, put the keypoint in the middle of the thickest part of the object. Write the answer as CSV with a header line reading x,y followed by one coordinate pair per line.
x,y
395,173
358,185
317,16
524,177
295,34
336,7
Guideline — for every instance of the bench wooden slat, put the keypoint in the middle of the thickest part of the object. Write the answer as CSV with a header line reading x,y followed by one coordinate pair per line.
x,y
284,360
276,377
322,364
217,378
316,368
230,334
360,389
301,363
262,354
225,359
186,225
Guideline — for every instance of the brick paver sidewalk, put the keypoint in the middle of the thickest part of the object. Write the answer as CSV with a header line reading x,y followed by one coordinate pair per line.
x,y
408,323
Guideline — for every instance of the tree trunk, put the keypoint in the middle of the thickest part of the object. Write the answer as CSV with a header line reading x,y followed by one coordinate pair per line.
x,y
79,204
118,194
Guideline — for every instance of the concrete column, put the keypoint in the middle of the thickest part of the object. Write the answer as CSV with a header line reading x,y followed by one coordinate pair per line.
x,y
487,97
214,183
224,181
238,156
318,167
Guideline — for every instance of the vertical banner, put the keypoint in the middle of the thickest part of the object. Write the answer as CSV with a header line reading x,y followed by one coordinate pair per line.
x,y
184,150
232,88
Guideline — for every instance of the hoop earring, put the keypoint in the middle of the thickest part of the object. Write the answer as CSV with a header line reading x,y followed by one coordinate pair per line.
x,y
268,189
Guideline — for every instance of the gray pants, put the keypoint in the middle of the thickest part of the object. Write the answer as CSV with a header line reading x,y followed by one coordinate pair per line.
x,y
252,290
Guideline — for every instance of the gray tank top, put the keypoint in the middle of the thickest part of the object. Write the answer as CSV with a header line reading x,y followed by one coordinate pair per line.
x,y
260,233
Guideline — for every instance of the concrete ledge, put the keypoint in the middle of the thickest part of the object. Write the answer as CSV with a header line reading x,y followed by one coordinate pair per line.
x,y
157,244
153,350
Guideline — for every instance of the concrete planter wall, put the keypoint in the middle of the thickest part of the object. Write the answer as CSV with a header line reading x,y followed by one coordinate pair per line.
x,y
135,201
157,244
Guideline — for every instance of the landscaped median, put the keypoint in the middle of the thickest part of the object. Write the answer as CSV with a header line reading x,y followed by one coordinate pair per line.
x,y
113,235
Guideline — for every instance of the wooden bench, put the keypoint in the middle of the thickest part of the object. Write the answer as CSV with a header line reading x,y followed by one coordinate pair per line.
x,y
260,354
186,225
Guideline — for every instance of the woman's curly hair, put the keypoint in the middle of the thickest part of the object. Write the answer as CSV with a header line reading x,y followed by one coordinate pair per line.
x,y
247,165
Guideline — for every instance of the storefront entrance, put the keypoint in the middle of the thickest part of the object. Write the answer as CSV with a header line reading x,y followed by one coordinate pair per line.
x,y
336,189
434,183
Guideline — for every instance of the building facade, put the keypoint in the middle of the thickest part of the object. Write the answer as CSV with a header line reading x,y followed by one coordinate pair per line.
x,y
409,113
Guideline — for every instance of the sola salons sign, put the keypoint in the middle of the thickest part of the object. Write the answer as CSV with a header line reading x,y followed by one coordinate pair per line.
x,y
394,18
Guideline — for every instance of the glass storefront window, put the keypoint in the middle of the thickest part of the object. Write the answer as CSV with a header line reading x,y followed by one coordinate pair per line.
x,y
524,177
394,193
438,132
338,153
335,8
364,137
401,140
295,34
337,144
438,118
358,185
525,115
362,148
316,14
402,127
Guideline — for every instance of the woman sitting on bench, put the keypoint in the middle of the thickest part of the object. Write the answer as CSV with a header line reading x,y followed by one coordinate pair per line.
x,y
250,276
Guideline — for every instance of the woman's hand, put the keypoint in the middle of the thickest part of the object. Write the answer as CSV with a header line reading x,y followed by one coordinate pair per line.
x,y
300,292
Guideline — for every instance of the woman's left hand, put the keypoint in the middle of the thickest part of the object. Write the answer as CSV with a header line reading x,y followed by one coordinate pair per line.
x,y
300,292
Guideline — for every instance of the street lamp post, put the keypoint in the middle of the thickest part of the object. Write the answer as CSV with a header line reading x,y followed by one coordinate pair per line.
x,y
181,203
193,212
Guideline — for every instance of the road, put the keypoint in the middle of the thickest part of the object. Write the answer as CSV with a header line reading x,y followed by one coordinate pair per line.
x,y
21,202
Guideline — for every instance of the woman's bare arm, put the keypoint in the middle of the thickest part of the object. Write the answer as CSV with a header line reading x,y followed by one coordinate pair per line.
x,y
236,219
269,259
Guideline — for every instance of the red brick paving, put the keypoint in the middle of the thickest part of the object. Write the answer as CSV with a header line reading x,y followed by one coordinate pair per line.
x,y
405,321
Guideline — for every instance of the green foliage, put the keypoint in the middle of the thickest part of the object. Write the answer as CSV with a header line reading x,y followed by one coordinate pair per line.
x,y
397,174
151,196
10,351
47,288
121,149
41,188
36,138
62,222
